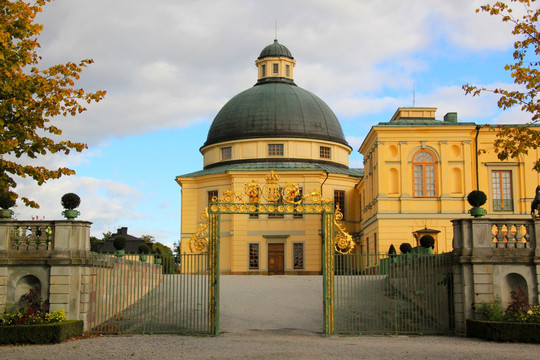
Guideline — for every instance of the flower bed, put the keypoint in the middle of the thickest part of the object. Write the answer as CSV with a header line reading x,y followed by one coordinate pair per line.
x,y
504,331
30,322
520,322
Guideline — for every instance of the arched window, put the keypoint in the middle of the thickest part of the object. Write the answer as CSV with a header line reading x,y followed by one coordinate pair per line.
x,y
424,173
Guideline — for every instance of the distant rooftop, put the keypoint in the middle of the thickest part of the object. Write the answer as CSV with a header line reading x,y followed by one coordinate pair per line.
x,y
422,116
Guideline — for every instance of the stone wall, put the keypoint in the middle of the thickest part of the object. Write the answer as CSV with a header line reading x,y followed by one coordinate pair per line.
x,y
493,258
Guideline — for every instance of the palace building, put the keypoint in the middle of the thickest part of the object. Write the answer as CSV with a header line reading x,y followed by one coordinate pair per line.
x,y
417,173
275,125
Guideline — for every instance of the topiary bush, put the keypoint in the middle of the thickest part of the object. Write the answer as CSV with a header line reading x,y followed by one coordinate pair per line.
x,y
120,243
6,202
144,249
405,248
476,198
427,241
70,201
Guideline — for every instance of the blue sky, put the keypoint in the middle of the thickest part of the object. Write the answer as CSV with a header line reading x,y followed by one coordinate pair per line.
x,y
170,65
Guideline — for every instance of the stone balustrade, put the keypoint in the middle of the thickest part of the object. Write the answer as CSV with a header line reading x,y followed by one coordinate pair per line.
x,y
493,257
31,236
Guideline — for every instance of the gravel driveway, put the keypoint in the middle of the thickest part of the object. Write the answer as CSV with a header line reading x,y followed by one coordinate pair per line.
x,y
273,344
275,317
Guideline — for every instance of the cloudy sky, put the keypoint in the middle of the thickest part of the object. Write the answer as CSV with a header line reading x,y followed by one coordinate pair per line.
x,y
168,66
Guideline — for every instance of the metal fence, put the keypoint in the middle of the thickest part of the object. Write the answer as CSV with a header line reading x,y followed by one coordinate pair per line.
x,y
403,294
156,294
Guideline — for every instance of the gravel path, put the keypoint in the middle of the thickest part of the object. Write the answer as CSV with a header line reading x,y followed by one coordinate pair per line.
x,y
273,344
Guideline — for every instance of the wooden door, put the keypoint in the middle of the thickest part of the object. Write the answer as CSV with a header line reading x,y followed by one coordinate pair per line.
x,y
276,259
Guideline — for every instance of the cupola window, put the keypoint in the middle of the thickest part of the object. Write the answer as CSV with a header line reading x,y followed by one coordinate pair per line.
x,y
325,152
226,153
288,70
276,69
275,149
263,70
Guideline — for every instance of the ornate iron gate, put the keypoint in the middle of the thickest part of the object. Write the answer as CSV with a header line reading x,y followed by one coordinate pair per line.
x,y
403,294
273,198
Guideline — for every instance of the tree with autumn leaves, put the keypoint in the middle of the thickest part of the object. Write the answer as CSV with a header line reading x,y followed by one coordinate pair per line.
x,y
512,141
30,97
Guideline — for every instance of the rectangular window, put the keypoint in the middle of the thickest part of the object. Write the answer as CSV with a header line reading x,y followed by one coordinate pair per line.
x,y
298,256
211,195
226,153
424,180
339,200
325,152
275,149
288,70
296,199
263,70
502,190
276,69
254,256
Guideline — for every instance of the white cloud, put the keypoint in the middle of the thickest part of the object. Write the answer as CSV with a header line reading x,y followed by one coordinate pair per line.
x,y
107,204
170,63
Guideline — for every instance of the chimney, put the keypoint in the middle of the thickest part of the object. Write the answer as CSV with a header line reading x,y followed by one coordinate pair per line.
x,y
450,117
122,231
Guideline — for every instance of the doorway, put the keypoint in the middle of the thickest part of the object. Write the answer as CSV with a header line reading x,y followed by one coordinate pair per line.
x,y
276,259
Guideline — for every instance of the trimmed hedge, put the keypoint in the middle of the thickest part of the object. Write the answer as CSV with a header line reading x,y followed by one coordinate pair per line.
x,y
504,331
40,334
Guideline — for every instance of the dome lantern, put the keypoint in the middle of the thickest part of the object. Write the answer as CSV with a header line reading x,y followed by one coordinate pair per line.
x,y
275,63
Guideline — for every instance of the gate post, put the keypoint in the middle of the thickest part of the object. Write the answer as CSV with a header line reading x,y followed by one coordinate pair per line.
x,y
213,258
328,272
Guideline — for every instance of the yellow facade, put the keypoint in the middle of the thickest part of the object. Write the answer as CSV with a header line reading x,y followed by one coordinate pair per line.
x,y
417,174
238,231
392,211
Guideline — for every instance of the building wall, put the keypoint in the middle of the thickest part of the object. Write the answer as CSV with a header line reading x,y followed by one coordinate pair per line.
x,y
292,148
390,210
239,230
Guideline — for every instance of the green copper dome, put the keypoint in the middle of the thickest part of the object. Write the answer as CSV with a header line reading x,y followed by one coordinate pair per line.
x,y
275,110
275,49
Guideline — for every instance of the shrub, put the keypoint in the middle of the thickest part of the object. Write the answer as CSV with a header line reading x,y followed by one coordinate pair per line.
x,y
6,202
392,250
41,334
503,331
427,241
70,201
492,310
405,248
120,243
144,249
476,198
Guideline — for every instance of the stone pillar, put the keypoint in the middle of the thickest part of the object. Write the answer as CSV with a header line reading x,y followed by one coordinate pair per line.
x,y
488,257
61,266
